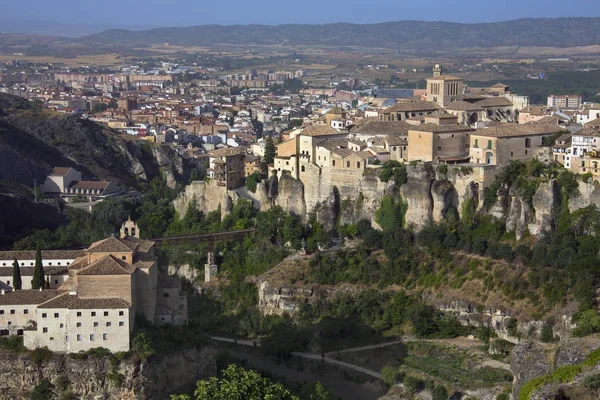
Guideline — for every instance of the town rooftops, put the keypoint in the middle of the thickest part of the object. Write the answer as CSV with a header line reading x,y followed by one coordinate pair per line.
x,y
493,102
22,297
594,123
512,130
28,271
60,171
461,105
336,111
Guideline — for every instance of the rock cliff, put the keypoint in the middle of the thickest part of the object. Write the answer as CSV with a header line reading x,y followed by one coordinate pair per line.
x,y
97,378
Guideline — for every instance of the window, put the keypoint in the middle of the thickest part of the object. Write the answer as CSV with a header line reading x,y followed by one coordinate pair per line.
x,y
93,313
79,313
12,312
106,313
439,148
121,323
79,338
347,164
95,324
79,324
45,330
527,142
121,313
525,152
62,325
358,164
1,312
8,283
123,257
489,144
108,324
512,153
105,336
56,281
55,315
26,311
44,315
92,337
333,163
467,146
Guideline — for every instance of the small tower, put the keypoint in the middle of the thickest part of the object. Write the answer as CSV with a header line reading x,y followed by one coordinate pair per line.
x,y
437,71
130,228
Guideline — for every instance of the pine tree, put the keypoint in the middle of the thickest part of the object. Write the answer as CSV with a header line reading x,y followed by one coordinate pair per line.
x,y
270,151
38,270
17,283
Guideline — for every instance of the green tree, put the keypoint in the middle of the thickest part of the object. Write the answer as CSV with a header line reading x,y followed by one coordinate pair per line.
x,y
16,278
440,393
270,151
38,271
238,384
42,391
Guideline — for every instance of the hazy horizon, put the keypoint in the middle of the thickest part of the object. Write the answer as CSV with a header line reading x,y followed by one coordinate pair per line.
x,y
155,13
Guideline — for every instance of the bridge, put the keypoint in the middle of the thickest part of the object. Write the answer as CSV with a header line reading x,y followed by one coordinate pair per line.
x,y
210,268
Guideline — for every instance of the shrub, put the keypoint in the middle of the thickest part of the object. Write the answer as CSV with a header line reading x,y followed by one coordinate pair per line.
x,y
547,332
413,384
440,393
40,355
592,382
42,391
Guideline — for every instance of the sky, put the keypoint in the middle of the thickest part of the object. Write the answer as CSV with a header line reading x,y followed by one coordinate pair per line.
x,y
136,13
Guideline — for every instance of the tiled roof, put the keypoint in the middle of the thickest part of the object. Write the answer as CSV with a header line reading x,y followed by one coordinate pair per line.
x,y
460,105
19,297
144,246
225,152
342,152
384,127
511,130
319,130
110,245
430,127
595,122
62,301
414,106
494,102
100,303
60,171
28,271
46,255
396,141
108,265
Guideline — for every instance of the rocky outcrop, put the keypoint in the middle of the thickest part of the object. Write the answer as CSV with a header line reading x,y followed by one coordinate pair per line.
x,y
97,377
208,197
416,192
546,203
290,195
444,199
587,194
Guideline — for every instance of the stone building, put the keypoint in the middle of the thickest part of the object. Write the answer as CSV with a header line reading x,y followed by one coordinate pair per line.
x,y
226,166
108,284
66,182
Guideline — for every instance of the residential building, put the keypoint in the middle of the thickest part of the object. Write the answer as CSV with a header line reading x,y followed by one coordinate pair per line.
x,y
568,101
226,166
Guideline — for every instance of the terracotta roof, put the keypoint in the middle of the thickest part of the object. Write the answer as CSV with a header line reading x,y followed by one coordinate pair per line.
x,y
343,153
28,271
99,303
414,106
19,297
225,152
108,265
319,130
46,255
60,171
396,141
494,102
143,245
89,185
550,119
111,245
384,127
595,122
511,130
63,301
460,105
336,110
430,127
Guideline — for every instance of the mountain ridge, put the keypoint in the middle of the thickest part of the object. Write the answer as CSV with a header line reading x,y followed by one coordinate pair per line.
x,y
404,35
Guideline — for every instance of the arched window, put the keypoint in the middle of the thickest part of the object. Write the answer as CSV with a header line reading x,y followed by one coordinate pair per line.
x,y
489,158
132,231
126,231
303,169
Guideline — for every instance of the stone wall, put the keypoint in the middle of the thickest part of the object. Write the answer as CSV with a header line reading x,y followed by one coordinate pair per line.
x,y
91,378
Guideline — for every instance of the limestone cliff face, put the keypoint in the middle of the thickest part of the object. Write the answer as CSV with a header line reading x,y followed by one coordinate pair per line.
x,y
589,194
531,360
416,192
209,196
546,203
93,378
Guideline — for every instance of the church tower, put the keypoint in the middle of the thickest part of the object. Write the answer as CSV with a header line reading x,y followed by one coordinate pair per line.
x,y
437,70
130,228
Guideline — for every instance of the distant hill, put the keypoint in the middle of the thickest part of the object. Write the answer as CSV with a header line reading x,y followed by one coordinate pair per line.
x,y
402,35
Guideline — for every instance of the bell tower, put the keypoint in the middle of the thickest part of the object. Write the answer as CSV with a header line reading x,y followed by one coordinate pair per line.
x,y
130,228
437,70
